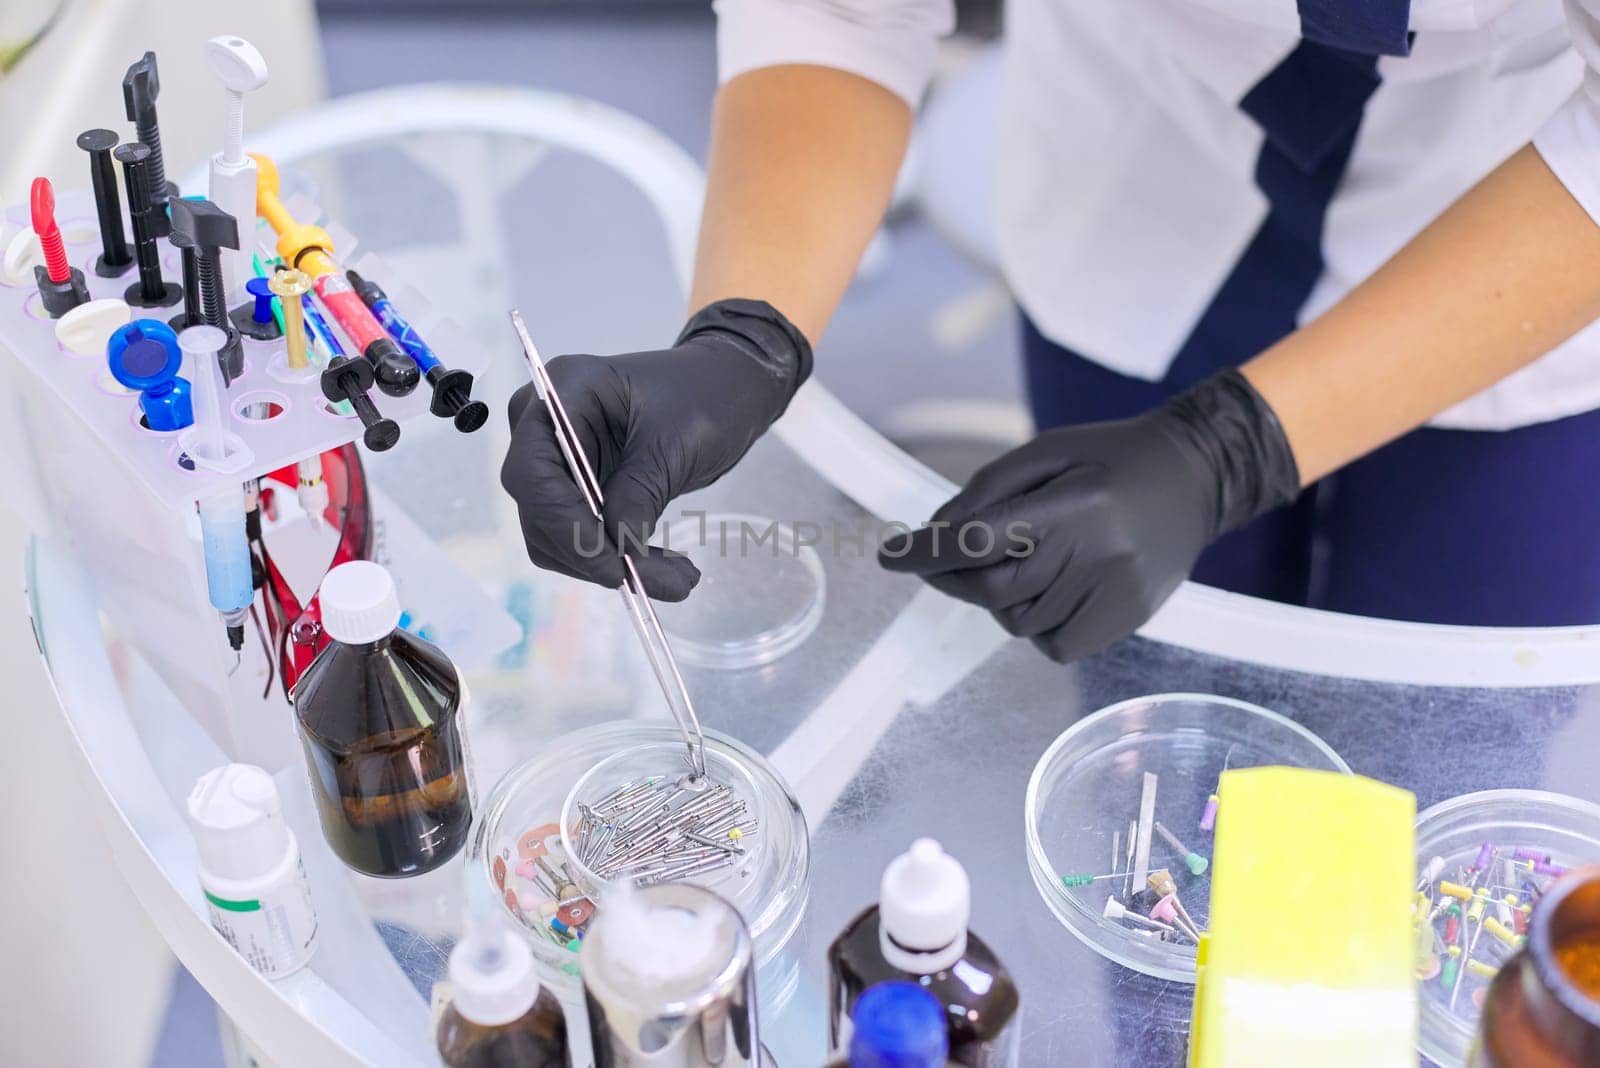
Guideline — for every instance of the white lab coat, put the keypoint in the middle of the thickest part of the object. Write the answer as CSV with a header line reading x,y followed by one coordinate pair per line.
x,y
1126,168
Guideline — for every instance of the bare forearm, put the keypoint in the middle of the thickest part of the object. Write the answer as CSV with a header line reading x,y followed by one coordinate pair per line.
x,y
803,161
1510,271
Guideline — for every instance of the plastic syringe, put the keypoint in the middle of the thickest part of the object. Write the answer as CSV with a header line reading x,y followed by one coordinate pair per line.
x,y
310,249
320,332
222,533
452,389
227,555
311,490
200,345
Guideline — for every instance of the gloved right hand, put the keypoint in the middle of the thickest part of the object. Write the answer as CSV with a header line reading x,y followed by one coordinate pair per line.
x,y
654,425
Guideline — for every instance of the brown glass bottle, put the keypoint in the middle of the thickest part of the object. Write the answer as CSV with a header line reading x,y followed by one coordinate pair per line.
x,y
924,901
500,1016
536,1039
378,712
979,997
1543,1008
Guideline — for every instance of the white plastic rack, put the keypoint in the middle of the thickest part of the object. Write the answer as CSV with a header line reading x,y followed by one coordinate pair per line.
x,y
280,416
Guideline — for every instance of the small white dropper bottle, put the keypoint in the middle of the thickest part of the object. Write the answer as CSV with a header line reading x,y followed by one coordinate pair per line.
x,y
250,869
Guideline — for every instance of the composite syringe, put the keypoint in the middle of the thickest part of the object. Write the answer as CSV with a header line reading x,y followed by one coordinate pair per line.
x,y
227,553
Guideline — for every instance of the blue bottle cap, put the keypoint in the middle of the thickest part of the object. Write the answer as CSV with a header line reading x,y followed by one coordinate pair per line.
x,y
144,354
898,1024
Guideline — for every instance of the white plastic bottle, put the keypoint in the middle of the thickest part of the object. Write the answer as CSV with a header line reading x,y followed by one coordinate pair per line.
x,y
250,869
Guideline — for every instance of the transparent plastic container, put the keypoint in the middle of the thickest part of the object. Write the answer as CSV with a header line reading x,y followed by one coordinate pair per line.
x,y
1565,828
721,625
526,810
1086,790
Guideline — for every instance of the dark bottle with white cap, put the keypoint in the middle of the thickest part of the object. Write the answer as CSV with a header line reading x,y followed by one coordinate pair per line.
x,y
918,931
379,717
499,1016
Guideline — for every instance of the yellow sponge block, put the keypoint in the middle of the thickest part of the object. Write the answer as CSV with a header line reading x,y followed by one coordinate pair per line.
x,y
1307,958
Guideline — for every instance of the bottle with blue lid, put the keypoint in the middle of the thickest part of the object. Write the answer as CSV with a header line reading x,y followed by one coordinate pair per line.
x,y
918,932
896,1024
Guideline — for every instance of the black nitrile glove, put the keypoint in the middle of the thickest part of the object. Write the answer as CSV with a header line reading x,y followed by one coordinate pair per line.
x,y
1116,514
654,425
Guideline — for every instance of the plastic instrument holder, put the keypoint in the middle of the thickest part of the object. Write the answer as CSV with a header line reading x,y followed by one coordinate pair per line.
x,y
1086,790
302,424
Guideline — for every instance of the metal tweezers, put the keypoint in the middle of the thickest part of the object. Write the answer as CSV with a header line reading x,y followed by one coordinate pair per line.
x,y
656,647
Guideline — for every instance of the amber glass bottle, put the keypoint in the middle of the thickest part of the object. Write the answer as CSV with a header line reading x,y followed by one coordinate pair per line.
x,y
1543,1009
378,712
918,932
500,1017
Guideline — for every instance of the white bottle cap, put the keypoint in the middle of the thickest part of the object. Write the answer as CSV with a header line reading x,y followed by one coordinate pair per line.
x,y
359,603
924,903
238,823
492,978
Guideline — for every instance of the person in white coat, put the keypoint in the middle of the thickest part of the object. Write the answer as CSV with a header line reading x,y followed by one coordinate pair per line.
x,y
1307,289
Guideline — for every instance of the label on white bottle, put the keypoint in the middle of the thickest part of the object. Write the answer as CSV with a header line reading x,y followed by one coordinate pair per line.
x,y
275,932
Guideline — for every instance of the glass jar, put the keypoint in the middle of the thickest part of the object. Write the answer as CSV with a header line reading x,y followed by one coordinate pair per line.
x,y
1543,1008
379,714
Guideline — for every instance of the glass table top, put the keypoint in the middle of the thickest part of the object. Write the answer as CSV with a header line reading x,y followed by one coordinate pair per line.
x,y
903,714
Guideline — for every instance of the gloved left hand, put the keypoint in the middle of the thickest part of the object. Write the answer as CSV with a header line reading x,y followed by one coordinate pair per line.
x,y
1076,538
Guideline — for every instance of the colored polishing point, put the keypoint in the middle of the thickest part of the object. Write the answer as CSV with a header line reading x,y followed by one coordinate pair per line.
x,y
1196,863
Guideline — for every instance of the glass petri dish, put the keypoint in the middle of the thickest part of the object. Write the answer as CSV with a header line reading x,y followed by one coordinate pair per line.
x,y
656,773
1562,828
521,826
721,625
1086,789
